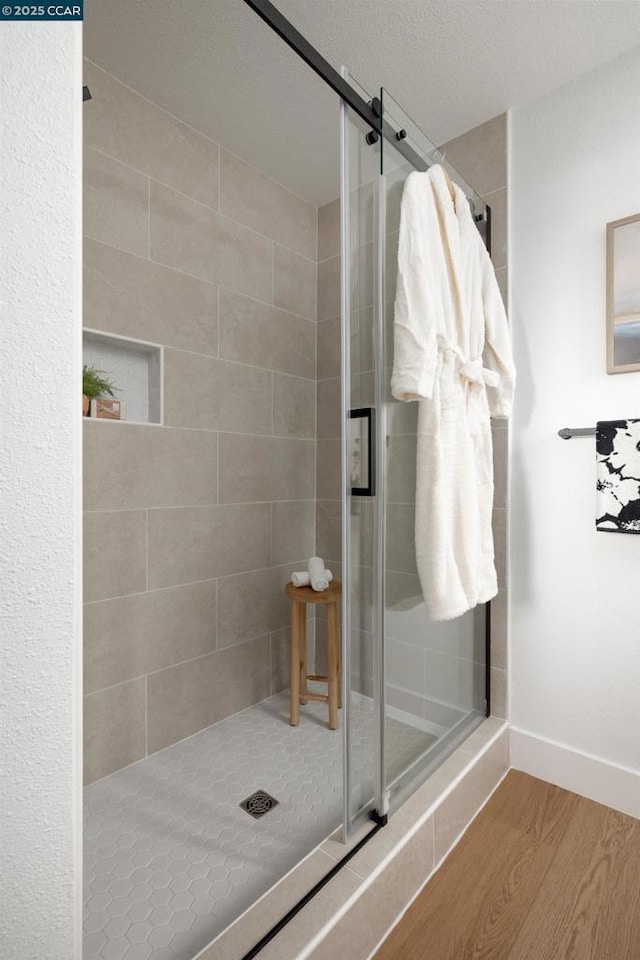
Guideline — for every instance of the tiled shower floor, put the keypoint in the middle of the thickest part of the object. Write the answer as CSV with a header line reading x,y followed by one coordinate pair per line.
x,y
171,859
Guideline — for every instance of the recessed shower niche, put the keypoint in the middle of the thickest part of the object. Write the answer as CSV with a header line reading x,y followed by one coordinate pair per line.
x,y
135,367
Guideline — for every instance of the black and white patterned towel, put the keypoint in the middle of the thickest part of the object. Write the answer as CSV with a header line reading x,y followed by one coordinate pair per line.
x,y
618,476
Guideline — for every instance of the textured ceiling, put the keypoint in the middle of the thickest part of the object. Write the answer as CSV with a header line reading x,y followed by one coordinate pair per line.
x,y
451,63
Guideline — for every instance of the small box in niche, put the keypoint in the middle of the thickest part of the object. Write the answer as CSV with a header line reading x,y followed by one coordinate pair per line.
x,y
107,409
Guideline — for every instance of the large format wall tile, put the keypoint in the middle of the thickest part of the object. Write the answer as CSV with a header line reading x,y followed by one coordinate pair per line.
x,y
362,655
133,297
502,276
294,282
480,155
395,190
114,729
129,466
329,230
456,681
130,636
125,125
329,529
281,660
362,273
401,544
114,553
404,666
265,468
500,544
401,469
116,203
329,409
329,348
211,394
190,236
402,418
250,604
293,530
265,336
294,407
390,267
498,203
329,476
500,438
499,626
189,696
499,706
402,590
186,544
362,340
253,199
363,390
329,288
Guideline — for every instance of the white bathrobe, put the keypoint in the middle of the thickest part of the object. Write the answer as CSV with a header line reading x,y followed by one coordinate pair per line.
x,y
452,353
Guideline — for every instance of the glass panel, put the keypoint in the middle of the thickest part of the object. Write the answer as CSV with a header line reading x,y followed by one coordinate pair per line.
x,y
434,691
362,720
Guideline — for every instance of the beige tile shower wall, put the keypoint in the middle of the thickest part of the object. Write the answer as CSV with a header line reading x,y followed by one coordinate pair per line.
x,y
192,528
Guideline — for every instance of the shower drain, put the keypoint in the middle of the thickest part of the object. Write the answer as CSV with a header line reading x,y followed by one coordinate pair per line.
x,y
259,803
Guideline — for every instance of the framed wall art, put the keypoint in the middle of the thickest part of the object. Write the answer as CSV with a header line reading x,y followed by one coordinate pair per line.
x,y
623,295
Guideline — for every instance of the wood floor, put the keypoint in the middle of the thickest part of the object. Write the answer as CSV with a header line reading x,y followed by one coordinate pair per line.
x,y
542,874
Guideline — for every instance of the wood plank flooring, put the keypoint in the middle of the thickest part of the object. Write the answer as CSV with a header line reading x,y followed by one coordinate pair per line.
x,y
542,874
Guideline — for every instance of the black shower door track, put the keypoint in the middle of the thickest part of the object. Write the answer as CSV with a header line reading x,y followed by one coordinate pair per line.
x,y
370,112
287,32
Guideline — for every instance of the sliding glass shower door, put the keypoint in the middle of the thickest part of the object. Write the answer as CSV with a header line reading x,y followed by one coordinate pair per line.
x,y
420,684
435,673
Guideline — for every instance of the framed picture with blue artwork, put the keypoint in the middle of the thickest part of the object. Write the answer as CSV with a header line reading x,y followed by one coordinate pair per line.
x,y
623,295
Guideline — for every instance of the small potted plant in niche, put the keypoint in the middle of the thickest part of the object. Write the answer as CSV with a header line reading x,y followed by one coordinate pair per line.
x,y
95,386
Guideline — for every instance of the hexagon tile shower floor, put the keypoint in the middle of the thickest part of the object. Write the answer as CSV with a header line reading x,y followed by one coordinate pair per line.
x,y
171,859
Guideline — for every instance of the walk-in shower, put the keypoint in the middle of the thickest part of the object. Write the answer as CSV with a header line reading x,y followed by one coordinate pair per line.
x,y
239,265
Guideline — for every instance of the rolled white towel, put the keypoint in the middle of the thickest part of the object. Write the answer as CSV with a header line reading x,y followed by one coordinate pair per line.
x,y
316,574
302,578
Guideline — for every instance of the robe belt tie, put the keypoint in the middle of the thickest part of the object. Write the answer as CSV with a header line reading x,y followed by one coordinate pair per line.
x,y
477,378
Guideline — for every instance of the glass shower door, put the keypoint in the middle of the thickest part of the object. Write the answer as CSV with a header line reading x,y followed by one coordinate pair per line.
x,y
414,689
362,649
434,673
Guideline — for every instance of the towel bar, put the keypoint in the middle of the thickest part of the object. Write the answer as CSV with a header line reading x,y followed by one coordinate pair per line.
x,y
568,432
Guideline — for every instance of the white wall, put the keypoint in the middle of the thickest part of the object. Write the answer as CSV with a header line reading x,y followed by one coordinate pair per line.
x,y
575,632
40,121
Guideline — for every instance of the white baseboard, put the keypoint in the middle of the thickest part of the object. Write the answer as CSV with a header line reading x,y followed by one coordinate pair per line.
x,y
591,777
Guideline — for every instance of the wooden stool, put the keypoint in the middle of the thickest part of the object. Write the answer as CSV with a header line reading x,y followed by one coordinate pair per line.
x,y
301,596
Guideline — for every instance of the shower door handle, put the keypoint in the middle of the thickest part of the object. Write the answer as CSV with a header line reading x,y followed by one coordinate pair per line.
x,y
362,451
